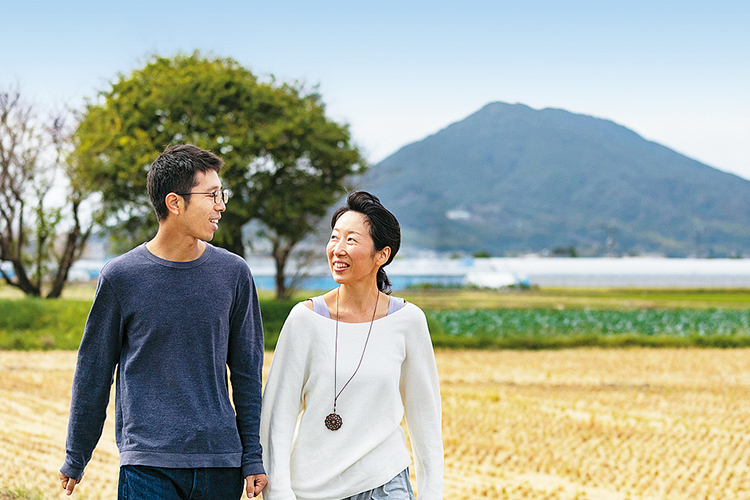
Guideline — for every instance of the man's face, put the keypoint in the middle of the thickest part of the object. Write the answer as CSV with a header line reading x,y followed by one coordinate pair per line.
x,y
202,214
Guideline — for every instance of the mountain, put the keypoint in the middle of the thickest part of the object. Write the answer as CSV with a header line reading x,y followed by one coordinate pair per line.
x,y
510,179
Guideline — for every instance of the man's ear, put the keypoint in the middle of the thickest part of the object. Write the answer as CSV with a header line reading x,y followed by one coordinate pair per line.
x,y
174,203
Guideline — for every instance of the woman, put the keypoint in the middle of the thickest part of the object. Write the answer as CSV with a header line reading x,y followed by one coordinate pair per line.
x,y
349,365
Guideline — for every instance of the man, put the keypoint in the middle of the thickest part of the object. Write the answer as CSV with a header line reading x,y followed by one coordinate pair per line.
x,y
170,316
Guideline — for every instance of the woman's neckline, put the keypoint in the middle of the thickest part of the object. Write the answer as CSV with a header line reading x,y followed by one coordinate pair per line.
x,y
331,318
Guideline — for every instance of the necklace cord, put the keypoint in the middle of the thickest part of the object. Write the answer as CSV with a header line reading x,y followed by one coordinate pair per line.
x,y
336,393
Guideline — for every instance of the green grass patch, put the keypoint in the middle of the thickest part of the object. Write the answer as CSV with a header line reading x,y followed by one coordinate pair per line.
x,y
20,494
38,324
33,323
274,314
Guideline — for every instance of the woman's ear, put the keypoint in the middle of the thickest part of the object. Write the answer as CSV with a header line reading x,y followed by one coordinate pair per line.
x,y
383,255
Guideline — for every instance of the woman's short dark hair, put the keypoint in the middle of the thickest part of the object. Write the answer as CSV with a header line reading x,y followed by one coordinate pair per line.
x,y
173,171
384,228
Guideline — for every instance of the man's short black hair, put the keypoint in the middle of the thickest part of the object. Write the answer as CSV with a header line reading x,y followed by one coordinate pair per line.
x,y
174,171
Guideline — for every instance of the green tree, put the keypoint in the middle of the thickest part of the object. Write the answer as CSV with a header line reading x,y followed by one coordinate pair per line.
x,y
286,162
300,173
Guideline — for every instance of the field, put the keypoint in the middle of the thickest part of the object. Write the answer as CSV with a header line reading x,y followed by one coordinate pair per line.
x,y
520,319
597,424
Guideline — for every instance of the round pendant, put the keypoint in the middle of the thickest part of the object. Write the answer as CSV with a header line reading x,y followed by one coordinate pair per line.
x,y
333,421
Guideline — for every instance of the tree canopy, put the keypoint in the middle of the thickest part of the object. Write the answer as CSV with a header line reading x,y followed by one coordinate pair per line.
x,y
286,162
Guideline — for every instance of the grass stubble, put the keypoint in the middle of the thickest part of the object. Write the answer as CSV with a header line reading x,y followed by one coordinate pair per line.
x,y
604,424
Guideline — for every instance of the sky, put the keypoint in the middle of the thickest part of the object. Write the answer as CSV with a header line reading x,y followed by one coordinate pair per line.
x,y
675,72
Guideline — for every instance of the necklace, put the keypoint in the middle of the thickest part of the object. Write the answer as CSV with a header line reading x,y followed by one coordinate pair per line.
x,y
333,420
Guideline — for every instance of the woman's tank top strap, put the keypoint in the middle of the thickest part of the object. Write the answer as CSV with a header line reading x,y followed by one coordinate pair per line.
x,y
320,306
395,304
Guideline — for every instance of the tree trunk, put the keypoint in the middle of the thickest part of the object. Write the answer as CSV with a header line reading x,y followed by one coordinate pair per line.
x,y
280,256
12,251
73,249
22,280
281,291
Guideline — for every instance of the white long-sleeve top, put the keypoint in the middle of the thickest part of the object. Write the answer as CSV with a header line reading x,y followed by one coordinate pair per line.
x,y
398,377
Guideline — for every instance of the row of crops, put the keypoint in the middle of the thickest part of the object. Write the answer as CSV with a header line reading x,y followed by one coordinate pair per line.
x,y
551,327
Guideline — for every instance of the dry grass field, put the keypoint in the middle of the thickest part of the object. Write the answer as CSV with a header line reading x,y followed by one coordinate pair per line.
x,y
573,424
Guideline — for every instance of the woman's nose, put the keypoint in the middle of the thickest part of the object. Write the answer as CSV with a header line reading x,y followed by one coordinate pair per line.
x,y
337,247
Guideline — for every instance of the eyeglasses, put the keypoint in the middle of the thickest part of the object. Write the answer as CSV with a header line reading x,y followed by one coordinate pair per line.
x,y
219,195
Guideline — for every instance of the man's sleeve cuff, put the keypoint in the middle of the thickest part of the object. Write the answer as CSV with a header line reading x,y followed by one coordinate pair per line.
x,y
253,469
71,472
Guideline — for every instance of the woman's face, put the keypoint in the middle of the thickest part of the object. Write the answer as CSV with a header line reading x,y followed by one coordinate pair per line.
x,y
351,252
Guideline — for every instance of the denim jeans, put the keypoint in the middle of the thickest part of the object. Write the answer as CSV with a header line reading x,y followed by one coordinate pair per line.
x,y
398,488
138,482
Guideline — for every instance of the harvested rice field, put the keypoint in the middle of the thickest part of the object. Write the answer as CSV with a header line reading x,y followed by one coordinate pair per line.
x,y
595,424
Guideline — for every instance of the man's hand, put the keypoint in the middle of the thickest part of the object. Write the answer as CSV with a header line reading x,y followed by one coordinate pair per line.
x,y
69,484
255,484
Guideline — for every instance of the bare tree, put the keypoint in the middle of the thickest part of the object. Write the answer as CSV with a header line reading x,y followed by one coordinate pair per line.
x,y
33,153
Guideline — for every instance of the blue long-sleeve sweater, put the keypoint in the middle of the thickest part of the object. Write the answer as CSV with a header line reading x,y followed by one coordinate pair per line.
x,y
167,332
